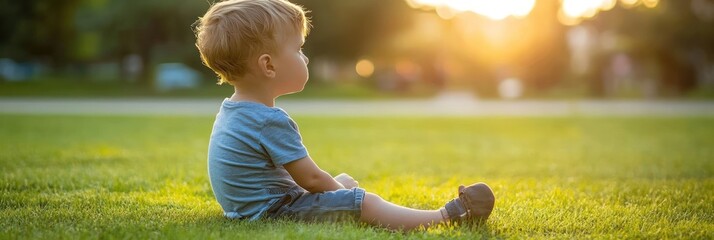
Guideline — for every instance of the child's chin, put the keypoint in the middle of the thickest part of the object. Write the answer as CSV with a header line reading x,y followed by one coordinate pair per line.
x,y
297,91
301,88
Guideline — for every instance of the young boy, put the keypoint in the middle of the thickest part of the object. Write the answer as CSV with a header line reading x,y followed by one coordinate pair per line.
x,y
257,164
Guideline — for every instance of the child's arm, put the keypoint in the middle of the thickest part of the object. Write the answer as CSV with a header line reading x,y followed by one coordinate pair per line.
x,y
310,177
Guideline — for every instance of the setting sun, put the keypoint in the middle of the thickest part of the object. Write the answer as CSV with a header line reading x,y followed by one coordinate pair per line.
x,y
571,12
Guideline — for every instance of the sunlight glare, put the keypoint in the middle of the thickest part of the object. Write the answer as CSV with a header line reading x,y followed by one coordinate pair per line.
x,y
581,8
522,8
606,5
572,12
494,10
422,4
446,12
650,3
568,20
629,3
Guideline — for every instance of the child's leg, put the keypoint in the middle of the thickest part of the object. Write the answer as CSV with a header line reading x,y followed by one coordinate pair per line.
x,y
377,211
475,202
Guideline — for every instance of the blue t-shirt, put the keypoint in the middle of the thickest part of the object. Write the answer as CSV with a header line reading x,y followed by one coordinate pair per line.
x,y
249,145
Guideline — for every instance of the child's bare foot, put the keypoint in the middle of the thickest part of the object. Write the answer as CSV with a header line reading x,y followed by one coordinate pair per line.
x,y
474,203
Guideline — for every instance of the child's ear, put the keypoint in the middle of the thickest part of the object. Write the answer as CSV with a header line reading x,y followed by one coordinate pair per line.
x,y
265,63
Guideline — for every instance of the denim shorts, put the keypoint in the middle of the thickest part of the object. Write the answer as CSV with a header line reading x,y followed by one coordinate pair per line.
x,y
300,205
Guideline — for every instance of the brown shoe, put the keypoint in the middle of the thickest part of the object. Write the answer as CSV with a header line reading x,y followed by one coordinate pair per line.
x,y
474,203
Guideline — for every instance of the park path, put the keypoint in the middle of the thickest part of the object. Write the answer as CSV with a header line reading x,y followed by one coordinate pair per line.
x,y
432,107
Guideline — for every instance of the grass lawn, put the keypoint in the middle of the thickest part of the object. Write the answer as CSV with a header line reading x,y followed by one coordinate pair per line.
x,y
580,177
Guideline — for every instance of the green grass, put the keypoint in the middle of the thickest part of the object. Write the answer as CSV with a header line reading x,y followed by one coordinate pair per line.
x,y
145,177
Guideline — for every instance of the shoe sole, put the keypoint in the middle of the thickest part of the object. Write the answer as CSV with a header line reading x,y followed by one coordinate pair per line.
x,y
479,200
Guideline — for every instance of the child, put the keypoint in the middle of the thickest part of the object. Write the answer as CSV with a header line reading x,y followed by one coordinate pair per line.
x,y
257,164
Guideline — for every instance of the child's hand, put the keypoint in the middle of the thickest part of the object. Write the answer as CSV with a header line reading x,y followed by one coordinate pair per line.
x,y
346,180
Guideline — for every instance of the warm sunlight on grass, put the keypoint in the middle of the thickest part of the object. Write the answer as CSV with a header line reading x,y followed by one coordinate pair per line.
x,y
146,177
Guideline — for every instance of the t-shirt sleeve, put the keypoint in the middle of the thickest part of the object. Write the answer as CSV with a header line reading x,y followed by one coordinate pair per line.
x,y
281,140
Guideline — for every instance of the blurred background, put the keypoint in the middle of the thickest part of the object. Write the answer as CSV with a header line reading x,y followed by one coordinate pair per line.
x,y
506,49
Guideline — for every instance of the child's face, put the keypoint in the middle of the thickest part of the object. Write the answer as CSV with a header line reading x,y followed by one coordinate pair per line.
x,y
291,64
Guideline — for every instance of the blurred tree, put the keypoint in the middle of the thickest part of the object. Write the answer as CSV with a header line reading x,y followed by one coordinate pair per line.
x,y
345,30
668,37
155,30
66,33
85,31
37,29
543,62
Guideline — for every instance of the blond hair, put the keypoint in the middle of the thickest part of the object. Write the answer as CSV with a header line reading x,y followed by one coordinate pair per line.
x,y
234,31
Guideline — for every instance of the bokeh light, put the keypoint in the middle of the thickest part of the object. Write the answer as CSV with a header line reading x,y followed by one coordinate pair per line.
x,y
510,88
364,68
650,3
